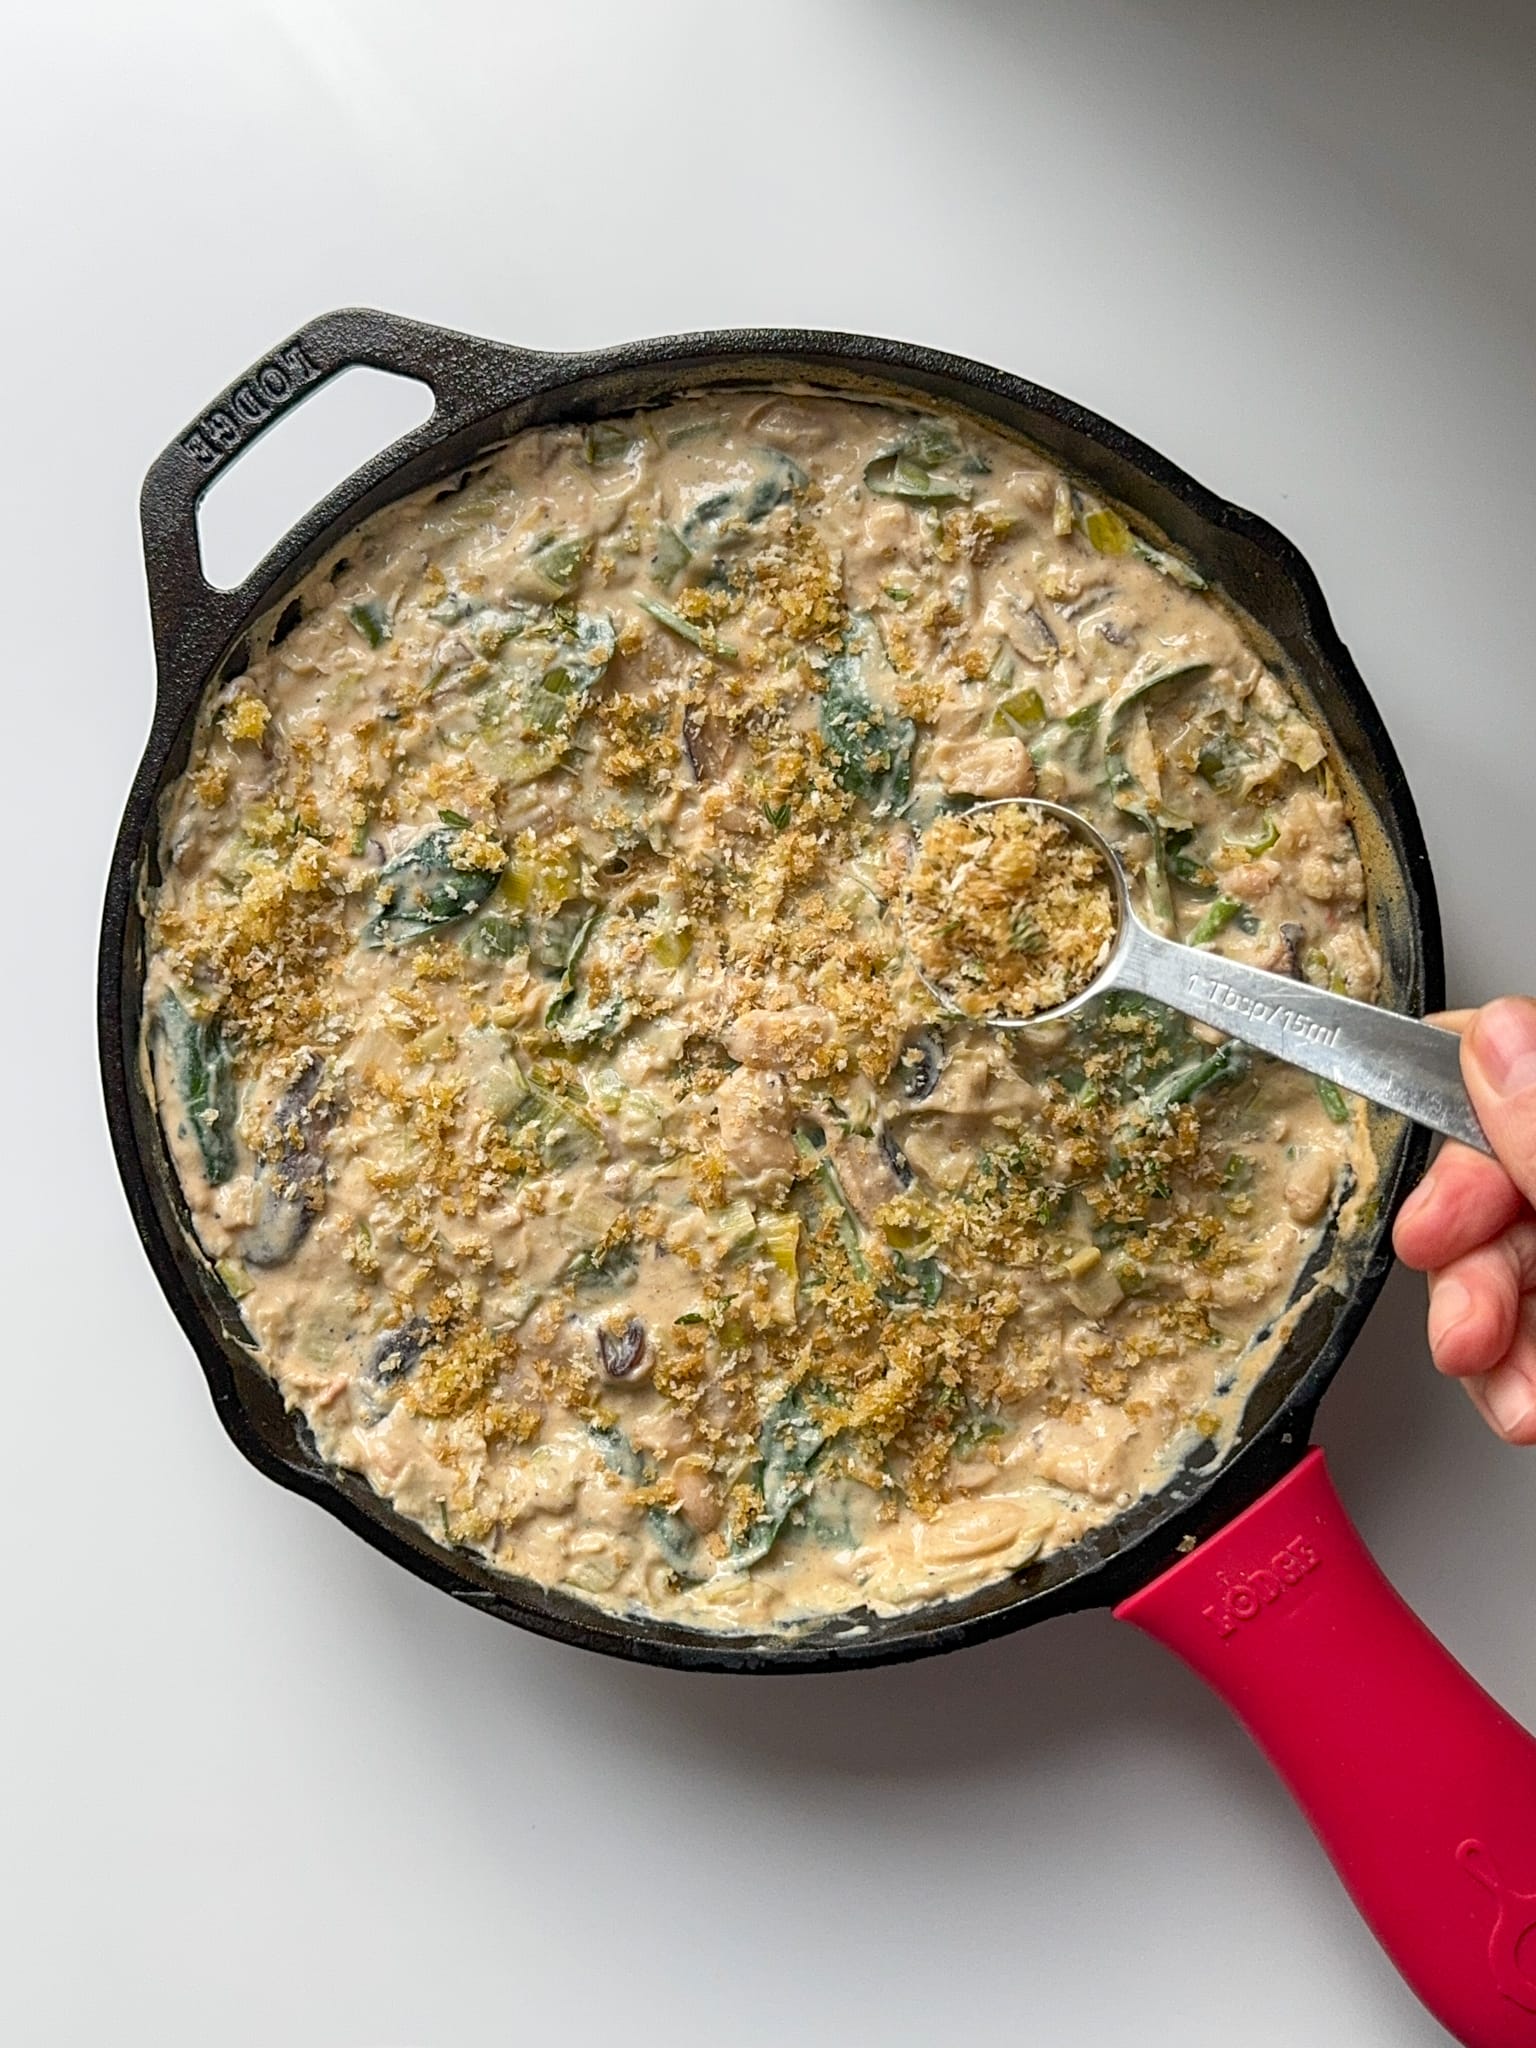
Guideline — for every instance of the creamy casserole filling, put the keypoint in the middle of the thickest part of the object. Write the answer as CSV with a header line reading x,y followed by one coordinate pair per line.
x,y
539,1051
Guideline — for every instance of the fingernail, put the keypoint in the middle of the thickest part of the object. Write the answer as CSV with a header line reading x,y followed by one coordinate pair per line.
x,y
1509,1395
1449,1307
1504,1045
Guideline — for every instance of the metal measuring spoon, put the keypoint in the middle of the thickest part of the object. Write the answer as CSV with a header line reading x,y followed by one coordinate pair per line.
x,y
1397,1061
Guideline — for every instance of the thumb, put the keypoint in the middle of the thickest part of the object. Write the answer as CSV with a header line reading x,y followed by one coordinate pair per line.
x,y
1498,1062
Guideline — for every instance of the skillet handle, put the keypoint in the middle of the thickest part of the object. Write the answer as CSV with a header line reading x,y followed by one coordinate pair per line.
x,y
468,377
1421,1789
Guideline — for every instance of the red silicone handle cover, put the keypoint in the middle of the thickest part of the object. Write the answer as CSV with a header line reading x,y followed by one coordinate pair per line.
x,y
1420,1787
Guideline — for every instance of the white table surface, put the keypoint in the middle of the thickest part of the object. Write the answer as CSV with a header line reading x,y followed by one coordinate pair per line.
x,y
258,1785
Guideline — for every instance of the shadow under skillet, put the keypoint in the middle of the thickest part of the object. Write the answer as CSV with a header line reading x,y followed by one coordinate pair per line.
x,y
1024,1741
1024,1704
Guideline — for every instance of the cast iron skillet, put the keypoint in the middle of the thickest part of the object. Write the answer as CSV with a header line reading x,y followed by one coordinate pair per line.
x,y
485,391
1287,1574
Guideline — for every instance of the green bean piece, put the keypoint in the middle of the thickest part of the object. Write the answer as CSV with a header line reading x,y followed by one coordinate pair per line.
x,y
702,637
1332,1099
1216,918
1228,1063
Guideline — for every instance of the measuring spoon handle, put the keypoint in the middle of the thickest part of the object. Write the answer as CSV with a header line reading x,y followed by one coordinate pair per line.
x,y
1397,1061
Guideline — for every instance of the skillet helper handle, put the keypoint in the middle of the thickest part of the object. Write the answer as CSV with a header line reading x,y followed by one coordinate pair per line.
x,y
1420,1787
468,377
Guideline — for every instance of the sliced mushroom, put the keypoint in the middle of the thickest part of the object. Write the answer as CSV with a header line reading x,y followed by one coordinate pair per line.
x,y
399,1351
920,1065
868,1174
291,1180
1292,940
622,1353
709,745
1043,642
280,1226
895,1158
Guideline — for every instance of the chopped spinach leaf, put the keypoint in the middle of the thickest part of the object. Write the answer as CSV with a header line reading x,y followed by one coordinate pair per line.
x,y
715,516
871,748
371,620
672,1535
570,1014
205,1077
425,888
671,558
789,1444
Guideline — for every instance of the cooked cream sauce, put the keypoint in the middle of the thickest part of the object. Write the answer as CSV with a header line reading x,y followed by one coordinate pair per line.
x,y
541,1059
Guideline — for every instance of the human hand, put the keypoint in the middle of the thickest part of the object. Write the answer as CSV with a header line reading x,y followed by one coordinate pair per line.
x,y
1470,1224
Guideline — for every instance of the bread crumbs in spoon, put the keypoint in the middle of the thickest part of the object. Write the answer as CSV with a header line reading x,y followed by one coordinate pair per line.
x,y
1008,912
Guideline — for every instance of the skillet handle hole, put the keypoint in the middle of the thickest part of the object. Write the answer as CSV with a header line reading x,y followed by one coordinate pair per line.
x,y
283,472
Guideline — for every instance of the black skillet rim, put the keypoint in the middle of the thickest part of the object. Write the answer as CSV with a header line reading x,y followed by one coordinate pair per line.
x,y
485,389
